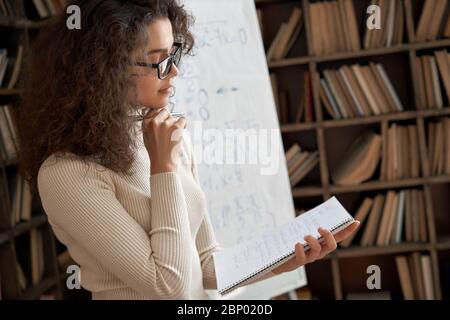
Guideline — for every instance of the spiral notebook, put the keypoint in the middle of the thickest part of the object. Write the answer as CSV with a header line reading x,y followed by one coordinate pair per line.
x,y
245,262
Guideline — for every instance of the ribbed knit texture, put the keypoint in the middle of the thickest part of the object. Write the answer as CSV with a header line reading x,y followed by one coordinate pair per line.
x,y
134,236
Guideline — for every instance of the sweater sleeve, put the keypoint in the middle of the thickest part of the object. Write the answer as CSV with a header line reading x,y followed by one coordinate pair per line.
x,y
81,200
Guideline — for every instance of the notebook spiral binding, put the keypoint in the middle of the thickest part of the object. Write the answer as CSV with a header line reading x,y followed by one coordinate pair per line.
x,y
333,230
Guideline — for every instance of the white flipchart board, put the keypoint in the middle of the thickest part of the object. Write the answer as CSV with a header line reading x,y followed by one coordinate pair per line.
x,y
226,85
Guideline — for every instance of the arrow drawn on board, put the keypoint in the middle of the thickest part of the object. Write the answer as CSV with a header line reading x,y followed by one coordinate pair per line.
x,y
224,90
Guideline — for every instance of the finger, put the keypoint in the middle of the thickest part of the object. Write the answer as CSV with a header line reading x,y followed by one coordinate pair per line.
x,y
180,122
341,235
300,256
162,115
315,248
151,112
329,243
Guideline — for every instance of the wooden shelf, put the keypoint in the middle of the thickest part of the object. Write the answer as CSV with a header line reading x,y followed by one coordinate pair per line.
x,y
295,127
309,191
380,185
10,92
21,228
377,185
302,192
397,116
443,243
12,22
352,252
23,23
35,292
9,162
4,238
357,54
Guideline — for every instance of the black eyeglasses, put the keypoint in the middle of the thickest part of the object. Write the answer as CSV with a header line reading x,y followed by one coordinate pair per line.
x,y
165,66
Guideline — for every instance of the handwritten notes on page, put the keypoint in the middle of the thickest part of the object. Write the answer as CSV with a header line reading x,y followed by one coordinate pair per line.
x,y
237,264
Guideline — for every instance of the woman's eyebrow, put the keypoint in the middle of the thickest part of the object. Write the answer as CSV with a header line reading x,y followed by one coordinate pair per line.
x,y
157,51
162,50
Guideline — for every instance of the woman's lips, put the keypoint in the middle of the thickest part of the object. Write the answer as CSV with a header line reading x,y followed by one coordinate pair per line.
x,y
167,90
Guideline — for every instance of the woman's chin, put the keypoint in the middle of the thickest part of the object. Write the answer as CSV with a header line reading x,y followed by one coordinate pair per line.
x,y
163,101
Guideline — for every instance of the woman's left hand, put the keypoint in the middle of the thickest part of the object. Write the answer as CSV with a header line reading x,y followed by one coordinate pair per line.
x,y
317,250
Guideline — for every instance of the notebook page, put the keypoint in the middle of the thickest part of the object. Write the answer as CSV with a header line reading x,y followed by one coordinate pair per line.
x,y
242,260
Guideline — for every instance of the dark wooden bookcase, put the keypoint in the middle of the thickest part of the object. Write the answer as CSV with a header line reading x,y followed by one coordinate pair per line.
x,y
344,271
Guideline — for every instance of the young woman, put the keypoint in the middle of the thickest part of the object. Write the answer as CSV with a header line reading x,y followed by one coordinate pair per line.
x,y
130,210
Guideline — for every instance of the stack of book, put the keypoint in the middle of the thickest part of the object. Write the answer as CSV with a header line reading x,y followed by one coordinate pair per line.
x,y
416,276
287,33
300,163
400,154
356,90
334,27
428,69
433,21
439,146
360,161
10,68
392,218
392,26
8,134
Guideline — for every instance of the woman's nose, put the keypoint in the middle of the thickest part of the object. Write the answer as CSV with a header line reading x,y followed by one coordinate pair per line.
x,y
174,71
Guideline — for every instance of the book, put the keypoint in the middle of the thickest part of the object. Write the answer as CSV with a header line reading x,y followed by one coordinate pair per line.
x,y
404,274
427,276
361,216
247,261
291,31
360,160
334,27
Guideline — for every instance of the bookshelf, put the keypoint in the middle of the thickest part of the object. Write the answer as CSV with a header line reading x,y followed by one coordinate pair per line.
x,y
344,271
16,242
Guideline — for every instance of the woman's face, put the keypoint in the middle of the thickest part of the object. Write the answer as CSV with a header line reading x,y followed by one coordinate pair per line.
x,y
149,86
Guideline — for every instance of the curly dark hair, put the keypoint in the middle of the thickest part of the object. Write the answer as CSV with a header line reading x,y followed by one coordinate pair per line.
x,y
78,95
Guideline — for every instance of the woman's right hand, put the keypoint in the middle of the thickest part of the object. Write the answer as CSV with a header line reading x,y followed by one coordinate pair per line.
x,y
162,135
